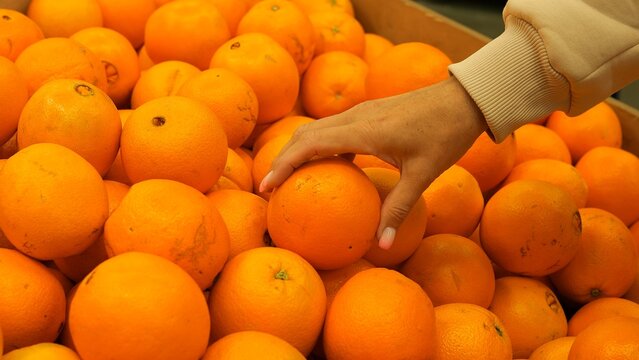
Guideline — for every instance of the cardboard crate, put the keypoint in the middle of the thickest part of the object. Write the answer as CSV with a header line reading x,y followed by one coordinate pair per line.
x,y
405,20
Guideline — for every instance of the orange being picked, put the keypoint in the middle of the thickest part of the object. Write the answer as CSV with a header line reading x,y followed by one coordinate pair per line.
x,y
557,349
600,309
231,99
53,202
334,279
156,303
611,338
45,350
13,96
75,114
489,162
348,202
162,79
337,31
127,18
538,142
285,125
175,138
18,31
374,46
233,11
262,62
316,6
251,345
334,82
271,290
62,18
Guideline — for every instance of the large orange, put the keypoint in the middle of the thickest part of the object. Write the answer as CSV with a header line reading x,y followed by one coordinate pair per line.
x,y
175,138
334,279
327,211
337,31
286,125
272,290
251,345
615,338
42,351
233,11
62,18
315,6
13,96
489,162
538,142
157,312
53,202
127,17
380,314
600,309
162,79
18,31
262,62
557,349
375,45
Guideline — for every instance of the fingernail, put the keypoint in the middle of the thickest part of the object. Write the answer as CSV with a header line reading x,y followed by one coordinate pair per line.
x,y
387,238
265,182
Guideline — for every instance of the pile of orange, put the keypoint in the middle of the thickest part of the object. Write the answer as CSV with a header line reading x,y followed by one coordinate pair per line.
x,y
134,137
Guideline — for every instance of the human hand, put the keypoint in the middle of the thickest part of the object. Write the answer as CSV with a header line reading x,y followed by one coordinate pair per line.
x,y
422,133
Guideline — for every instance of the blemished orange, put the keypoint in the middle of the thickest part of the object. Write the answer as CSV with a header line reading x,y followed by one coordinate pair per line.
x,y
272,290
531,227
172,220
539,142
18,32
231,99
233,11
337,31
615,338
251,345
612,176
348,201
316,6
454,203
380,314
127,18
62,18
175,138
530,312
187,30
263,160
452,269
286,125
563,175
287,24
469,331
13,95
598,126
116,171
405,67
409,234
156,303
59,58
144,61
600,309
365,160
74,114
334,82
334,279
54,203
605,262
262,62
162,79
488,162
244,215
557,349
32,307
374,46
236,171
42,351
118,57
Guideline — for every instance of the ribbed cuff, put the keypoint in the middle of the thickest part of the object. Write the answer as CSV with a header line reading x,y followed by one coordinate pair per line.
x,y
512,81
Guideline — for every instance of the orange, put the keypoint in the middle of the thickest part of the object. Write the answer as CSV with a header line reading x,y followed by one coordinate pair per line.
x,y
156,303
410,232
271,290
374,46
538,142
54,204
334,279
162,79
127,17
600,309
118,57
454,203
13,96
187,30
262,62
10,147
175,138
531,227
348,202
451,269
62,18
59,58
32,306
608,339
298,109
633,292
556,172
365,160
286,125
612,176
66,283
172,220
244,215
337,31
634,229
246,155
405,67
468,331
233,11
315,6
335,82
144,61
605,262
18,31
598,126
236,171
75,114
287,24
263,160
224,183
530,312
557,349
41,351
231,99
489,162
116,172
251,345
380,314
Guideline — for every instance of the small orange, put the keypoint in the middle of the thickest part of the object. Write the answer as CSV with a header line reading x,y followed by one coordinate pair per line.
x,y
236,171
538,142
608,339
127,17
46,350
144,61
315,6
334,279
286,125
600,309
18,31
263,160
251,345
9,147
62,18
13,95
224,183
66,283
246,155
162,79
116,172
557,349
488,162
634,229
233,11
633,292
375,45
337,31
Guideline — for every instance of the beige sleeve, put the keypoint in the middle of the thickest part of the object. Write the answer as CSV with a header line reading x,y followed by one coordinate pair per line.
x,y
553,55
